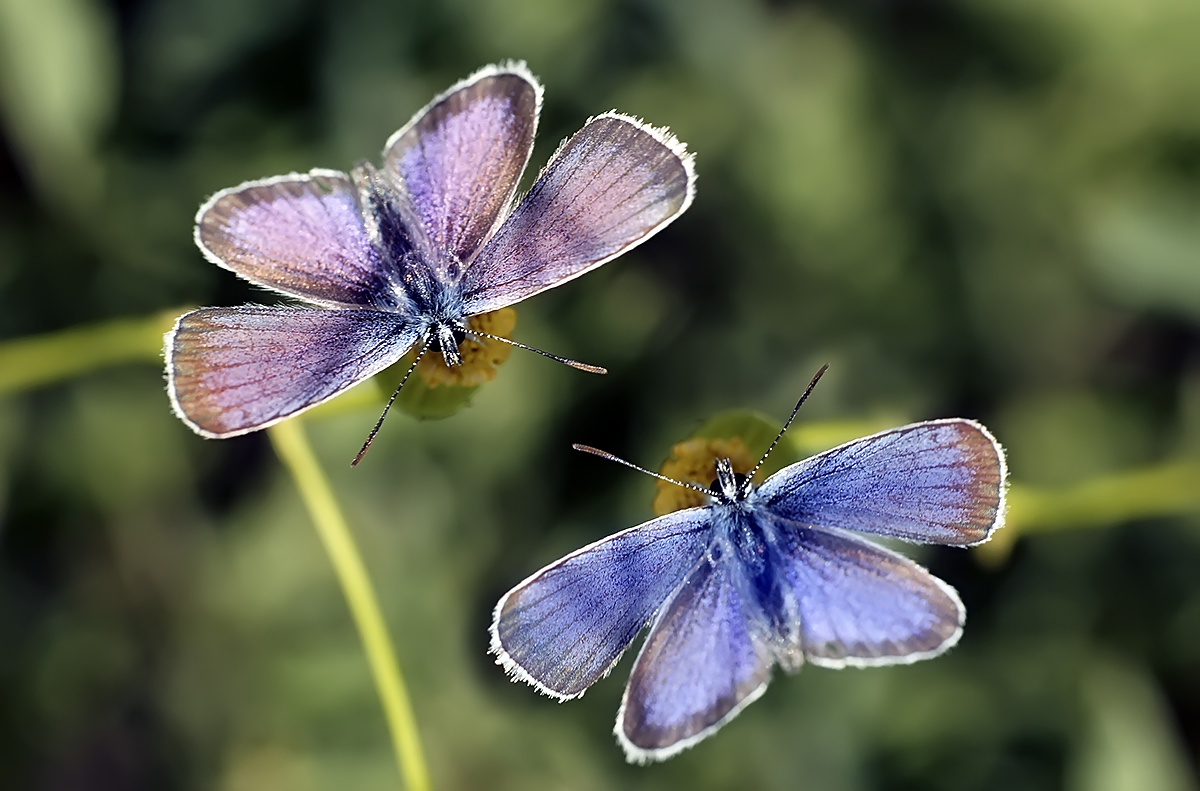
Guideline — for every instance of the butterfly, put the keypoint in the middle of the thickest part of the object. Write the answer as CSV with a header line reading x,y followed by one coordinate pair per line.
x,y
760,576
394,258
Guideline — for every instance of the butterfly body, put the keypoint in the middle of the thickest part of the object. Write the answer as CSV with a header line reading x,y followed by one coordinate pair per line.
x,y
401,256
760,576
744,541
423,283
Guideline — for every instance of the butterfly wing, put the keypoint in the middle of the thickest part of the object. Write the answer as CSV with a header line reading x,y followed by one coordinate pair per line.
x,y
461,157
608,188
300,234
941,481
235,370
564,628
703,662
862,605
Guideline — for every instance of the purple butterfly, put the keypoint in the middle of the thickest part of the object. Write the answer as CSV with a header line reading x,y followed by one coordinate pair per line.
x,y
399,257
760,576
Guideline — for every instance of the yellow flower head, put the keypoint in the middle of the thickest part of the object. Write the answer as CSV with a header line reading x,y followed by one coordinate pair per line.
x,y
695,460
479,357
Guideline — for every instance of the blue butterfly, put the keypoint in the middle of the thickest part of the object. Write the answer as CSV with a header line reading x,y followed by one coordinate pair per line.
x,y
759,577
395,258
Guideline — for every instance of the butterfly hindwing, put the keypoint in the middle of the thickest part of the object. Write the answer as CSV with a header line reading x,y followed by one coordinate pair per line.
x,y
301,234
567,625
234,370
863,605
460,159
608,188
941,481
703,662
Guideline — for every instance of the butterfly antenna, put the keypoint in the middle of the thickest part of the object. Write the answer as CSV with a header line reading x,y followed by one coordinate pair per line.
x,y
592,369
791,417
392,400
606,455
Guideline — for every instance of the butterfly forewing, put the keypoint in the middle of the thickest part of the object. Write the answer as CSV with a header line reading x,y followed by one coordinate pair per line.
x,y
233,370
608,188
941,481
564,628
863,605
302,235
461,158
703,661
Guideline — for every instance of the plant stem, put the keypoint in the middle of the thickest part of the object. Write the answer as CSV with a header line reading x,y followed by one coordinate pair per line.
x,y
43,359
1168,489
297,455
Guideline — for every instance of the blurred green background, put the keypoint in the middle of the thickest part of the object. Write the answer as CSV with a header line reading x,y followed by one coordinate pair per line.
x,y
982,208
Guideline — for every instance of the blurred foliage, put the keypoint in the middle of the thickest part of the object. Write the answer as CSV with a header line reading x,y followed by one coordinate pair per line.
x,y
968,207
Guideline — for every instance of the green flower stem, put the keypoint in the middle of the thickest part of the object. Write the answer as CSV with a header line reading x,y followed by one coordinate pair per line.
x,y
1168,489
297,455
42,359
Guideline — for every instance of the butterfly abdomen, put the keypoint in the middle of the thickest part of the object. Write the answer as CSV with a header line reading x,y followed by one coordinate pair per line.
x,y
752,550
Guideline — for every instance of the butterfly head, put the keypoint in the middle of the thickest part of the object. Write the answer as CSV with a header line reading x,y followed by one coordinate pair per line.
x,y
730,487
445,337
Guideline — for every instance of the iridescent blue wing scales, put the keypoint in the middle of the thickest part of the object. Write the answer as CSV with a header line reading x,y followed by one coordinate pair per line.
x,y
608,188
863,605
703,662
234,370
301,235
941,481
564,628
460,158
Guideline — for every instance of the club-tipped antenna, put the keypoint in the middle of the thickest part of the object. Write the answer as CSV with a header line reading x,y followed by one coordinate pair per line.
x,y
791,417
606,455
392,400
592,369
